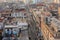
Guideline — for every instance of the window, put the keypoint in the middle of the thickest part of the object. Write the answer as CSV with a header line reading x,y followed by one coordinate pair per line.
x,y
52,29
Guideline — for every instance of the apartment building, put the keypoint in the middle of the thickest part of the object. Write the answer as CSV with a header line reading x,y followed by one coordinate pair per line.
x,y
59,12
10,1
36,12
50,28
57,1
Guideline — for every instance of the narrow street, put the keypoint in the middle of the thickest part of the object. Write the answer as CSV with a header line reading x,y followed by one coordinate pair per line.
x,y
24,35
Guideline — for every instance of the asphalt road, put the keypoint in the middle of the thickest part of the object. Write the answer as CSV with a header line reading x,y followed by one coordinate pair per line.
x,y
24,35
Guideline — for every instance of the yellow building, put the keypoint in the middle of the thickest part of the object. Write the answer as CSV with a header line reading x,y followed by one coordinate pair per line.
x,y
59,12
56,1
50,32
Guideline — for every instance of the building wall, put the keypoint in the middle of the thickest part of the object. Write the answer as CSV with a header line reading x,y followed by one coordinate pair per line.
x,y
46,32
56,1
27,1
10,0
48,1
59,13
37,1
34,1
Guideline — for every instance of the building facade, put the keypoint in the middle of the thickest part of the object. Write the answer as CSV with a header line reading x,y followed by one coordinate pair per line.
x,y
10,1
57,1
50,31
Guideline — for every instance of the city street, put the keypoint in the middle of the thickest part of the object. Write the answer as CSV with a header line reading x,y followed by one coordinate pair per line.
x,y
24,35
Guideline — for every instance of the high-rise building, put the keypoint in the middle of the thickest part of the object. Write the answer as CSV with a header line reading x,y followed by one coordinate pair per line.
x,y
56,1
32,1
50,29
37,1
48,1
26,1
10,0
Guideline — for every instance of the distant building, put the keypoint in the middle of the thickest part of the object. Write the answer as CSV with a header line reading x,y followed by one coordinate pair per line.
x,y
10,1
32,1
27,1
56,1
48,1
